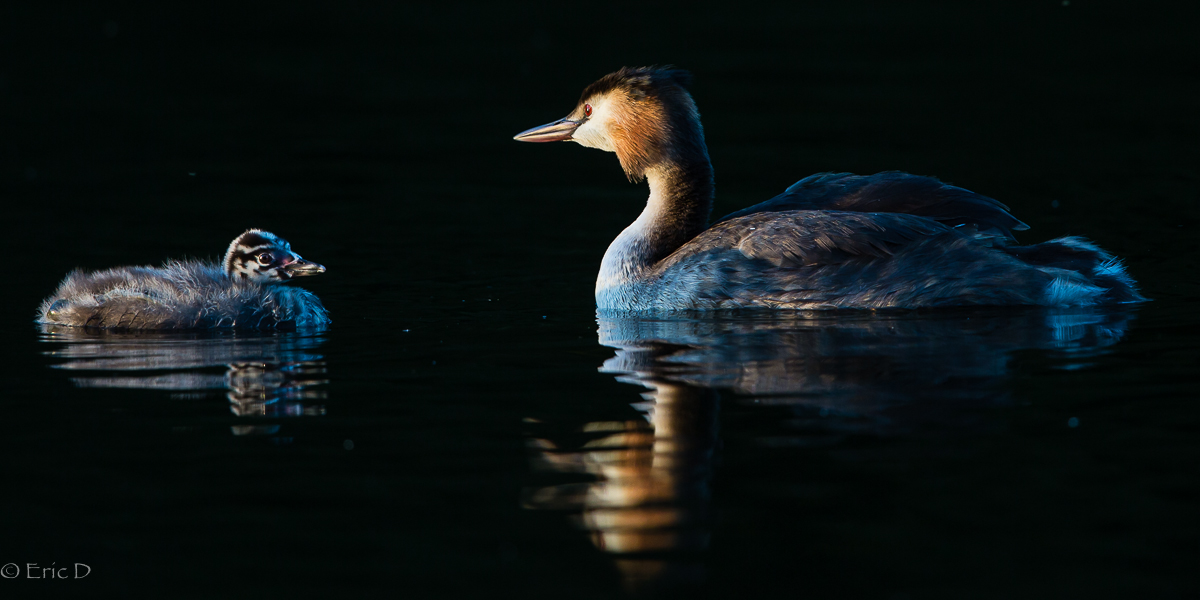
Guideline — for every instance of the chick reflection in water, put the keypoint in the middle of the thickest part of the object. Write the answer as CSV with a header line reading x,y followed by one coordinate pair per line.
x,y
265,375
649,501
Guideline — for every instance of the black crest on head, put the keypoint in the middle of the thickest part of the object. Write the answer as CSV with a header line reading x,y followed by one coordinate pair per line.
x,y
253,238
638,80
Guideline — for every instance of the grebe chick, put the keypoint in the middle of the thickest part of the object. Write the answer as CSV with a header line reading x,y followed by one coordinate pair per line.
x,y
832,240
245,291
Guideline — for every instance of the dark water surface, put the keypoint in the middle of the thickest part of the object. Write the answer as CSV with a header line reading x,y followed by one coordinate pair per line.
x,y
470,427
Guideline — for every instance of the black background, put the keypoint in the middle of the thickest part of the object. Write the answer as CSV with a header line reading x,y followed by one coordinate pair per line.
x,y
376,137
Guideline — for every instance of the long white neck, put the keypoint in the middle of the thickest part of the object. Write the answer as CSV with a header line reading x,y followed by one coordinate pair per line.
x,y
681,192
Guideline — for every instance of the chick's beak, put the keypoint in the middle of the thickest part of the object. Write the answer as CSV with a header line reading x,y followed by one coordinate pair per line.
x,y
302,267
558,131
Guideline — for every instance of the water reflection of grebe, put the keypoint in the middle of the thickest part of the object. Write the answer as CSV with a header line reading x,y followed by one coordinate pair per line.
x,y
647,503
265,375
832,240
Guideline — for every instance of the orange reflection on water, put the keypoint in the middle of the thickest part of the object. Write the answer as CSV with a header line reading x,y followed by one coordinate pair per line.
x,y
649,498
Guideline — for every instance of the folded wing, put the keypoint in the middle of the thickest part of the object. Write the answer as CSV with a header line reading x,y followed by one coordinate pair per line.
x,y
893,192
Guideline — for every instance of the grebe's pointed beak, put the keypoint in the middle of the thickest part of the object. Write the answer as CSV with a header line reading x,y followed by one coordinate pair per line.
x,y
558,131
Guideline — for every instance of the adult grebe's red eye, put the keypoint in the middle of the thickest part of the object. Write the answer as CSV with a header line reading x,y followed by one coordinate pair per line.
x,y
587,110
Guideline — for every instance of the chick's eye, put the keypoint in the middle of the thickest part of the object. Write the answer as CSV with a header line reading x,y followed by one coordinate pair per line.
x,y
587,110
264,258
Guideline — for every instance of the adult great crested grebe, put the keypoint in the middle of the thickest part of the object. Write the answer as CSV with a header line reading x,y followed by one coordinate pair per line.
x,y
243,292
832,240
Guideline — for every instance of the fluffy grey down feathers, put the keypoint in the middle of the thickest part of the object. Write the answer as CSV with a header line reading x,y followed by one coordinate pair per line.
x,y
179,295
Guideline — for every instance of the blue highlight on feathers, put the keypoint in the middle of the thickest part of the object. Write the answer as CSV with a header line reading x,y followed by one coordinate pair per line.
x,y
185,295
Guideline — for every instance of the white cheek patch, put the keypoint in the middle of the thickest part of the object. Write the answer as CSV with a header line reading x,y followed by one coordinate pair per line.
x,y
248,269
590,137
594,133
245,271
